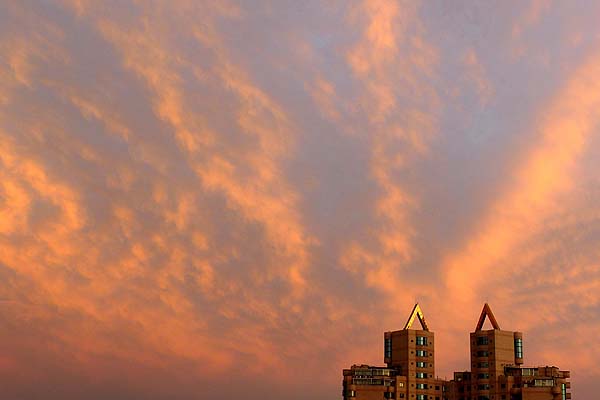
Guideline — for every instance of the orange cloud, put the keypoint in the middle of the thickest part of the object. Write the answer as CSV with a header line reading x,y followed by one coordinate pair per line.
x,y
380,65
531,16
191,188
539,179
323,94
477,75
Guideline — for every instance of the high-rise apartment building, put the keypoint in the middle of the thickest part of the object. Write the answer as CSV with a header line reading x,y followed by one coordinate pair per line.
x,y
497,372
491,351
496,368
412,354
410,372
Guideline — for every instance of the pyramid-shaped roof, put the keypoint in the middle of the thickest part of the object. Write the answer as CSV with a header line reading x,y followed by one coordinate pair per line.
x,y
416,313
487,311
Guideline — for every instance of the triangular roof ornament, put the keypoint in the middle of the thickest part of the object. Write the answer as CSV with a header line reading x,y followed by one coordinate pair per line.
x,y
416,312
487,311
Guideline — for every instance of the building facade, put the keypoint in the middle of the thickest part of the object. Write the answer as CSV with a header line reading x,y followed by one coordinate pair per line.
x,y
497,371
410,367
370,383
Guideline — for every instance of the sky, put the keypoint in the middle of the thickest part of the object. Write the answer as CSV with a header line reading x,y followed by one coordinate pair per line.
x,y
217,199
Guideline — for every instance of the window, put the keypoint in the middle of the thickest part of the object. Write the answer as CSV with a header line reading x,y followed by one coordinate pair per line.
x,y
482,353
484,364
518,348
388,395
387,348
351,393
483,375
421,375
421,341
381,372
482,340
421,364
529,371
563,391
401,384
421,397
483,387
421,353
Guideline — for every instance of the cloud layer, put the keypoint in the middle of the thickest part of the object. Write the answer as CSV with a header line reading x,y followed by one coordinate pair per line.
x,y
210,199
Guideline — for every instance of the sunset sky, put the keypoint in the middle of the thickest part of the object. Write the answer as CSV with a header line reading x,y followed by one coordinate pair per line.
x,y
235,199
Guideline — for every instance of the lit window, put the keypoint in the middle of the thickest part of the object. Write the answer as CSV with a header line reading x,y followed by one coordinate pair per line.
x,y
421,353
529,371
421,341
421,375
421,364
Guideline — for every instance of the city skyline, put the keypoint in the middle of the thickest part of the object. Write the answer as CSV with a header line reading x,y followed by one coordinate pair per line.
x,y
217,199
496,370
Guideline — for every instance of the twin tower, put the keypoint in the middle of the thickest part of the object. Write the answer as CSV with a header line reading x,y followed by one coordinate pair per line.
x,y
496,369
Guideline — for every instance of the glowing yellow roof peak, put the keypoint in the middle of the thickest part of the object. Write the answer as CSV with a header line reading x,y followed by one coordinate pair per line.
x,y
416,312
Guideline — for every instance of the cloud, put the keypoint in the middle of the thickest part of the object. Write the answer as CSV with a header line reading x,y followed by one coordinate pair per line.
x,y
530,16
546,169
387,57
324,96
477,75
191,188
